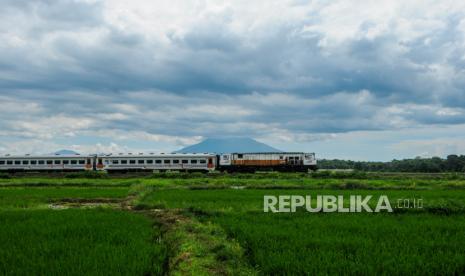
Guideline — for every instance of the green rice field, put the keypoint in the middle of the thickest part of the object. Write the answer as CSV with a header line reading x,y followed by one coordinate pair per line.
x,y
178,224
419,242
77,242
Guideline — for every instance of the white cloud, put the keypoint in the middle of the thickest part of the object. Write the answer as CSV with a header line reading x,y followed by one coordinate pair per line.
x,y
50,127
172,73
432,147
143,136
100,148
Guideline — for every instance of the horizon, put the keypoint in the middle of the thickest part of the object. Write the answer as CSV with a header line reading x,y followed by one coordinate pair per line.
x,y
346,80
57,153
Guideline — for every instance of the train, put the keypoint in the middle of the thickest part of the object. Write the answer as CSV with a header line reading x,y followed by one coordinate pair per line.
x,y
188,162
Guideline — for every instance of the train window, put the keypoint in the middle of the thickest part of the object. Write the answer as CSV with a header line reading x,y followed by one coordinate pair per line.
x,y
202,161
140,161
57,162
149,161
49,162
25,162
157,161
240,156
132,161
115,162
296,158
2,162
41,162
9,162
124,161
17,162
281,157
33,162
65,162
73,162
193,161
176,161
185,161
82,162
167,161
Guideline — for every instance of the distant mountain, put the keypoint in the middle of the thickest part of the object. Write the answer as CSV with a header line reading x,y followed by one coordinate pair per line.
x,y
66,152
228,145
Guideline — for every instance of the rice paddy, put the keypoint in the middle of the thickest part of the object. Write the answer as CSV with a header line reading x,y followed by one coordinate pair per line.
x,y
415,242
215,224
77,242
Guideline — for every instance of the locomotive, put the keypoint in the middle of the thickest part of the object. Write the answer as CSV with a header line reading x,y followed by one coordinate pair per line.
x,y
230,162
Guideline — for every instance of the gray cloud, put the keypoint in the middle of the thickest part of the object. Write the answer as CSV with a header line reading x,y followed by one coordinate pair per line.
x,y
91,69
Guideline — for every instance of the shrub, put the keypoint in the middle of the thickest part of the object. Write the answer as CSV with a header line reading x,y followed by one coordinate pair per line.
x,y
340,174
351,185
4,176
87,174
322,174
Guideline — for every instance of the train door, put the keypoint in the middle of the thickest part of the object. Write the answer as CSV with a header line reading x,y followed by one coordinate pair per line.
x,y
210,163
99,163
291,160
94,163
89,164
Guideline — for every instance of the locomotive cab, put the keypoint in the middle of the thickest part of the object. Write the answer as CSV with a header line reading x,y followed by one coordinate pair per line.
x,y
225,159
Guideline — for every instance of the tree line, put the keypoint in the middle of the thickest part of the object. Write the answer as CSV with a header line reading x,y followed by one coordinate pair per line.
x,y
453,163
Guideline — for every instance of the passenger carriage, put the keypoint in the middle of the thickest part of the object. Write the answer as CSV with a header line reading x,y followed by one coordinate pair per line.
x,y
157,162
46,163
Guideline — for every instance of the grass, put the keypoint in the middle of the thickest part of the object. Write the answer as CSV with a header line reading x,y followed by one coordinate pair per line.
x,y
196,248
251,200
78,242
40,197
350,244
201,224
420,242
39,241
320,180
67,182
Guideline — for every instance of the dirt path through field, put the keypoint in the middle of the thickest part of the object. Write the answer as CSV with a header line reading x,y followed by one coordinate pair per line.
x,y
194,247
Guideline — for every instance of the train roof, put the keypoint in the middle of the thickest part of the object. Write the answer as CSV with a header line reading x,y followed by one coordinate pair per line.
x,y
128,155
274,152
157,155
6,156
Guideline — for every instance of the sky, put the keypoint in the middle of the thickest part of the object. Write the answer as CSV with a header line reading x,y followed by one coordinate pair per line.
x,y
361,80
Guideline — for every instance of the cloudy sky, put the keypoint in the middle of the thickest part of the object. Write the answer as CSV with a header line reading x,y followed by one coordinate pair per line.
x,y
370,80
